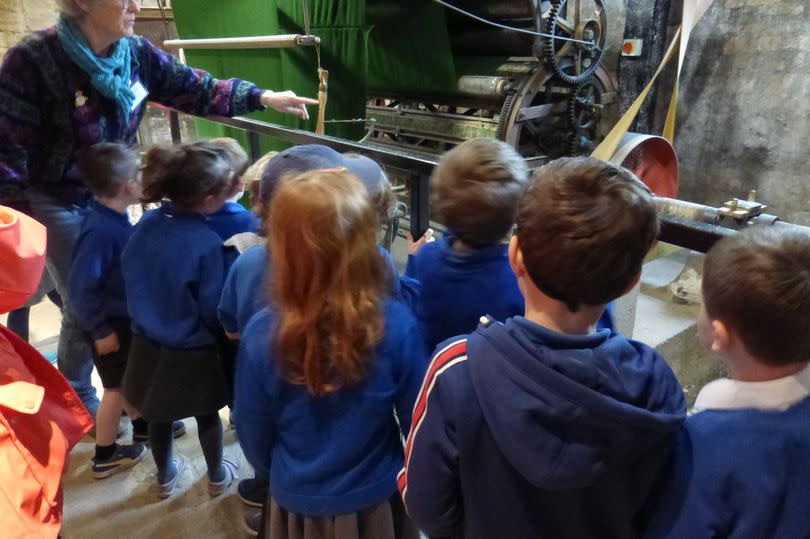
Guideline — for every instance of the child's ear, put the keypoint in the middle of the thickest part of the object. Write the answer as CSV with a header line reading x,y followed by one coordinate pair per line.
x,y
516,258
722,337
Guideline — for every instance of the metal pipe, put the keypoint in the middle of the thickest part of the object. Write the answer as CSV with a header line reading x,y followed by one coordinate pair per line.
x,y
484,87
687,210
255,42
685,224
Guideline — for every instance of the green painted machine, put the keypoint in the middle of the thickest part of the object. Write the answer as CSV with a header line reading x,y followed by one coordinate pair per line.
x,y
425,76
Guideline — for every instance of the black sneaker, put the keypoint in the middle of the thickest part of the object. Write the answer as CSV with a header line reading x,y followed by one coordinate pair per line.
x,y
252,522
125,456
178,431
252,492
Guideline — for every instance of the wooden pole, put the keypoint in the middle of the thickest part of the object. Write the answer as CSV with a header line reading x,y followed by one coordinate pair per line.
x,y
255,42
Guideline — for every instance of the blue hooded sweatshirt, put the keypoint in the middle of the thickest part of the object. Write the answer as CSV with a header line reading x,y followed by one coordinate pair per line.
x,y
522,432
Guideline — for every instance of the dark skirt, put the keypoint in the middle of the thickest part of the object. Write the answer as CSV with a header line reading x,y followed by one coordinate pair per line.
x,y
387,520
166,384
111,367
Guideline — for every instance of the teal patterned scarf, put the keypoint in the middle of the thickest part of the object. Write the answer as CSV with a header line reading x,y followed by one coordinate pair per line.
x,y
110,75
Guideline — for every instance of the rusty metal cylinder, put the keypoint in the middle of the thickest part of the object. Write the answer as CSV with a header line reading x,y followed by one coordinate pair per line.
x,y
652,159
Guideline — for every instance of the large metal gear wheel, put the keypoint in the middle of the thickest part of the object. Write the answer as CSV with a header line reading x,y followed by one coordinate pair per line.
x,y
586,105
549,135
581,20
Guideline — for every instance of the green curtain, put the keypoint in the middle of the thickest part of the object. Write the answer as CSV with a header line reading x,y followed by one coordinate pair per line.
x,y
343,53
394,47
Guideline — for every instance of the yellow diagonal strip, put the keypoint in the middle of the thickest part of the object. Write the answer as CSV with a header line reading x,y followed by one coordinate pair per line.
x,y
608,146
693,11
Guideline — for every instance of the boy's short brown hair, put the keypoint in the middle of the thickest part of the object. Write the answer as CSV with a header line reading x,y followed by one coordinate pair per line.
x,y
584,227
106,166
475,190
757,282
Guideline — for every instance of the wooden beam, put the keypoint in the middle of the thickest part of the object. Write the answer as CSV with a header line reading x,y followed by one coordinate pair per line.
x,y
153,14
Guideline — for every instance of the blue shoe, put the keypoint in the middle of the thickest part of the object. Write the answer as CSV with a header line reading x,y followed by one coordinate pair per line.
x,y
125,456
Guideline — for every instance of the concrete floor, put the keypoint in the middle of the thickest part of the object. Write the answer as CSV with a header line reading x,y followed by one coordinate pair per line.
x,y
125,505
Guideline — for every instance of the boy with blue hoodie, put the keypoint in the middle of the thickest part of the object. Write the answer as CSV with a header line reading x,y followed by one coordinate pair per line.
x,y
742,464
537,427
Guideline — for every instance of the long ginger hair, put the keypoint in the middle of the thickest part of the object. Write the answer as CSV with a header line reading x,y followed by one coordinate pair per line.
x,y
328,280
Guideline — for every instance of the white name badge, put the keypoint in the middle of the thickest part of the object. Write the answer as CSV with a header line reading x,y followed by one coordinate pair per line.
x,y
140,94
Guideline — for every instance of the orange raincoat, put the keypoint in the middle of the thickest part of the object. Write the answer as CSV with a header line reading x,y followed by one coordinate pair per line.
x,y
41,417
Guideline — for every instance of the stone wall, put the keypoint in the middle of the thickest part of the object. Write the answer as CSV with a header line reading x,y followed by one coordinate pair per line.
x,y
18,17
744,119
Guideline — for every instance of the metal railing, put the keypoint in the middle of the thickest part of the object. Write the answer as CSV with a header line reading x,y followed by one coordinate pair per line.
x,y
684,224
416,167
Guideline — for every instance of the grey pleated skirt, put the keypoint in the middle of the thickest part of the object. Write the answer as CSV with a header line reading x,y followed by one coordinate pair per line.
x,y
387,520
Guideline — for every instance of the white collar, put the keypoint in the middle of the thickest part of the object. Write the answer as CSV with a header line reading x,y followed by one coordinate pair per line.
x,y
781,394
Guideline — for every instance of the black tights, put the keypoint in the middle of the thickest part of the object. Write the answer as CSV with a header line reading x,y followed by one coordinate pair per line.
x,y
209,429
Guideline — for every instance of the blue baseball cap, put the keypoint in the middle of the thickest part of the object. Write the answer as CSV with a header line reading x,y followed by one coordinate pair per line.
x,y
296,159
308,157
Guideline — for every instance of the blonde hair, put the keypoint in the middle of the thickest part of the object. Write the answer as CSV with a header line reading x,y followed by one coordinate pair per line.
x,y
237,154
251,179
328,280
254,172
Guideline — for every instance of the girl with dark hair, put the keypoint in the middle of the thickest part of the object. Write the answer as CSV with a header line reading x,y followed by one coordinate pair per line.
x,y
322,371
174,269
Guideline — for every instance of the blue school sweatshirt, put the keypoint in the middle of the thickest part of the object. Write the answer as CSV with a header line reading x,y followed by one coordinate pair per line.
x,y
337,453
523,432
457,288
96,283
245,291
739,474
232,219
174,269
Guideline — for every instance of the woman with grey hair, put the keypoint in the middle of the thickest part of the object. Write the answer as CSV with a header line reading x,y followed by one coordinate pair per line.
x,y
87,80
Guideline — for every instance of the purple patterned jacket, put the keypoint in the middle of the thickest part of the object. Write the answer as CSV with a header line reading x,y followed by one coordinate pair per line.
x,y
49,111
